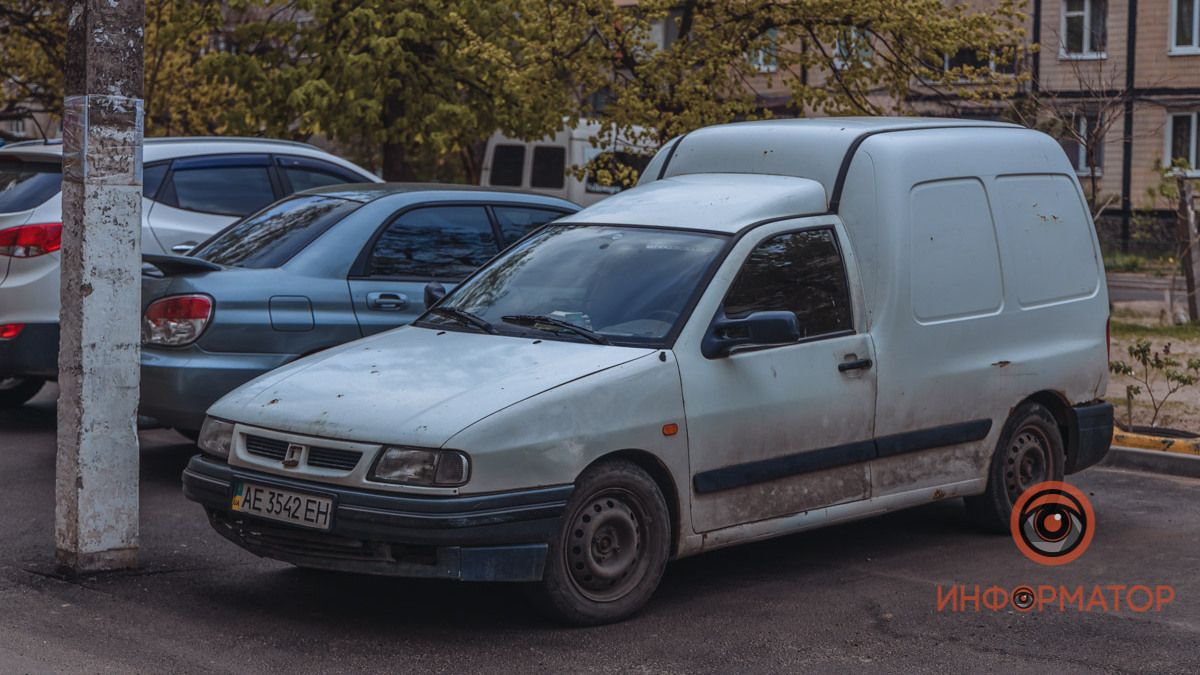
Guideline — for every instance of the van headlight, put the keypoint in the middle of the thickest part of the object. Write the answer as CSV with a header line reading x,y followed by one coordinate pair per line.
x,y
418,466
216,437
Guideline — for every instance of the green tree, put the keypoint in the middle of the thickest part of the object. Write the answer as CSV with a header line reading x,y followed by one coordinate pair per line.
x,y
179,98
832,57
424,81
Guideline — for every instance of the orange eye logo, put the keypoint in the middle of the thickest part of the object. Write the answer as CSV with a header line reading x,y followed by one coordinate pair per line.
x,y
1052,523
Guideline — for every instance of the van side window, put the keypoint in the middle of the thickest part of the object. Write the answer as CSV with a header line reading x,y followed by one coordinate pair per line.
x,y
549,167
800,272
439,242
508,165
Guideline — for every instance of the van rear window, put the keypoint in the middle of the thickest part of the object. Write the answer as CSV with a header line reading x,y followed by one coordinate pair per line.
x,y
508,165
26,185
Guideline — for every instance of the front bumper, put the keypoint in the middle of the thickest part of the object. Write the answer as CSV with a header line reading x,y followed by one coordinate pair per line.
x,y
496,537
1091,435
32,353
179,385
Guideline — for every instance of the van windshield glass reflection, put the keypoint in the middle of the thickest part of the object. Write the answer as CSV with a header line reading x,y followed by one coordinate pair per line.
x,y
630,285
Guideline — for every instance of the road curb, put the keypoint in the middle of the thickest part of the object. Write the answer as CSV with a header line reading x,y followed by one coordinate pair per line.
x,y
1154,461
1133,439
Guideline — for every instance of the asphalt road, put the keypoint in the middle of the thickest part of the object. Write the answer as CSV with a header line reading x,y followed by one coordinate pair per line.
x,y
847,598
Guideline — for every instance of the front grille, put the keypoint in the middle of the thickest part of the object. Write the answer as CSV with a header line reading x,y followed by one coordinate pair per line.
x,y
270,448
323,458
328,458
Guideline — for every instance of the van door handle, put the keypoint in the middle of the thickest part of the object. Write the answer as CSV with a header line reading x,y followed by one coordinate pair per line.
x,y
856,364
387,302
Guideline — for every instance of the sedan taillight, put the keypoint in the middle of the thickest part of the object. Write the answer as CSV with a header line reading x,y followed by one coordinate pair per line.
x,y
176,321
30,241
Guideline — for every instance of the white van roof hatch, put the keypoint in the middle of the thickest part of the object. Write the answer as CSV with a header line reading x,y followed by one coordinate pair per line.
x,y
816,149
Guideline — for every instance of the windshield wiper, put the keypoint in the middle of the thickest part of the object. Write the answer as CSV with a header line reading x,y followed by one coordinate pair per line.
x,y
535,319
464,317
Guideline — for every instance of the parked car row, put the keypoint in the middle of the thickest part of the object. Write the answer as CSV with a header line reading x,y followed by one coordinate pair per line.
x,y
193,187
786,324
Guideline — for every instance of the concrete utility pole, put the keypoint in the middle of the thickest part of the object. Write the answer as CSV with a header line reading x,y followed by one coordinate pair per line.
x,y
96,520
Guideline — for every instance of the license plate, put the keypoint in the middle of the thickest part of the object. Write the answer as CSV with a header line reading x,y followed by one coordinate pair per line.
x,y
284,505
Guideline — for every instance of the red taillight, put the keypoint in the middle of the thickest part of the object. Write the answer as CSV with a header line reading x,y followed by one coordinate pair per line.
x,y
176,321
30,241
9,331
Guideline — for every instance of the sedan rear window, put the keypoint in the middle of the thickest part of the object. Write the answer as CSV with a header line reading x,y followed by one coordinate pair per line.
x,y
26,185
271,237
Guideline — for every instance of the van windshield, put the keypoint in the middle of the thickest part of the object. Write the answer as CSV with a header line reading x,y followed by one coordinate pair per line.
x,y
26,185
629,285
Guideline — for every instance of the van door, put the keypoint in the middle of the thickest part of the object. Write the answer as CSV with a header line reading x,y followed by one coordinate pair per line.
x,y
783,429
440,244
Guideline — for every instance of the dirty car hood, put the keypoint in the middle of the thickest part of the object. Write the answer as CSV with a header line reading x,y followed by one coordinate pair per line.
x,y
412,386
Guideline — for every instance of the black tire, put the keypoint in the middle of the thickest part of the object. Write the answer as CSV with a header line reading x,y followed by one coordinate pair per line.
x,y
15,391
612,548
192,435
1030,451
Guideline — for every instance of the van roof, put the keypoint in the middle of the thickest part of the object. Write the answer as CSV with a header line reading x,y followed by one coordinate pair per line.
x,y
818,149
728,176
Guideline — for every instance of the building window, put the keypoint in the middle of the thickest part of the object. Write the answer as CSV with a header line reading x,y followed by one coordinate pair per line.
x,y
853,48
17,127
1002,62
1084,30
765,59
1185,26
1083,132
1183,140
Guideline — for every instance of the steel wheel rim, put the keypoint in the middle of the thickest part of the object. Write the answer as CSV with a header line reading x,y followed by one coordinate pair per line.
x,y
604,545
1028,461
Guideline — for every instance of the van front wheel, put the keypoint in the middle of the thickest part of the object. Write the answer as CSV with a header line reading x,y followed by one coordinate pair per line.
x,y
1030,451
609,556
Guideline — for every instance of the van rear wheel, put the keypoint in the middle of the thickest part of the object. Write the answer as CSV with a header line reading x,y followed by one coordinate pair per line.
x,y
1030,451
612,549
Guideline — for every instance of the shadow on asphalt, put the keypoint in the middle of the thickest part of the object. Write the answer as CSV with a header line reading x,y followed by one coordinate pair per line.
x,y
323,602
31,417
317,602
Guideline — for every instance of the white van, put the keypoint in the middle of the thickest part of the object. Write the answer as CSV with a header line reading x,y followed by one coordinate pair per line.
x,y
543,166
787,324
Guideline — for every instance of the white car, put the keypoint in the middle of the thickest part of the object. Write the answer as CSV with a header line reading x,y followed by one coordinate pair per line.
x,y
787,324
194,187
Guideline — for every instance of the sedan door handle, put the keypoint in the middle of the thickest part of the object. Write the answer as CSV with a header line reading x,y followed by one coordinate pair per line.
x,y
856,364
387,302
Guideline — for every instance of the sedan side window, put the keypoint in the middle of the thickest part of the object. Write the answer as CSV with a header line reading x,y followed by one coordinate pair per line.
x,y
439,242
303,173
229,185
800,272
518,221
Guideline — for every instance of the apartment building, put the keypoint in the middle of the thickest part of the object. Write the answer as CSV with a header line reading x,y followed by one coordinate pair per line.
x,y
1139,60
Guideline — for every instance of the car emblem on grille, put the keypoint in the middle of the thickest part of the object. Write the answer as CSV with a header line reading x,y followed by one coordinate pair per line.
x,y
291,460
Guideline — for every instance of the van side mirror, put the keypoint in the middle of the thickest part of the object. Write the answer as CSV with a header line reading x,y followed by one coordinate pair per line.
x,y
758,329
434,292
